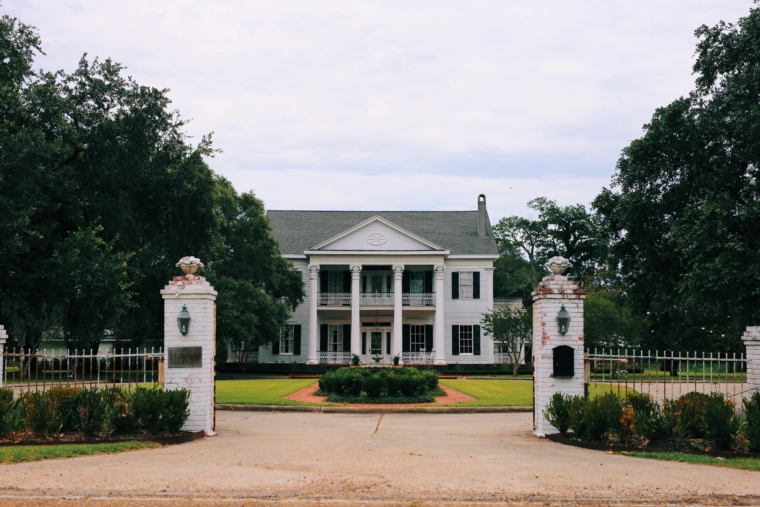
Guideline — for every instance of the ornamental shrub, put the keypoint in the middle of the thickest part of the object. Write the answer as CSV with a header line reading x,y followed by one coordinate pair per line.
x,y
647,416
687,412
91,414
718,422
602,415
352,382
576,411
174,410
49,412
751,428
557,412
373,385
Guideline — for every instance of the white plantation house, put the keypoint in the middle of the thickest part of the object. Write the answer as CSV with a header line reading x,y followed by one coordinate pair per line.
x,y
379,284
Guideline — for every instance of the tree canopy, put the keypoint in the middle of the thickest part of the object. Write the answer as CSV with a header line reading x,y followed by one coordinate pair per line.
x,y
100,195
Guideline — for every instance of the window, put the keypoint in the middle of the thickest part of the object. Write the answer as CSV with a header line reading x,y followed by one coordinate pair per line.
x,y
465,285
417,338
465,340
417,281
334,281
335,338
287,340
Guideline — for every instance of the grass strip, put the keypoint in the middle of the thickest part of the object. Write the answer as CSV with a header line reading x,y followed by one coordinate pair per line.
x,y
260,392
22,453
696,459
493,394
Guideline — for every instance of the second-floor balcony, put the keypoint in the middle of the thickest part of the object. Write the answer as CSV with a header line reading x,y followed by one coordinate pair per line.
x,y
377,299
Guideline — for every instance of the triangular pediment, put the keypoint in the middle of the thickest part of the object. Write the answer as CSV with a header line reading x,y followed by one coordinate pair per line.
x,y
376,235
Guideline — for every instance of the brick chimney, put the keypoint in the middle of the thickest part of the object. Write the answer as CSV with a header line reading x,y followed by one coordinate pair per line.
x,y
482,215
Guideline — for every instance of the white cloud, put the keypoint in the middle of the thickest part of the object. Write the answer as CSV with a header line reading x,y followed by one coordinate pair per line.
x,y
457,93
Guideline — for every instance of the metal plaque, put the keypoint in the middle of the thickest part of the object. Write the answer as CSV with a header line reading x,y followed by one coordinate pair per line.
x,y
185,357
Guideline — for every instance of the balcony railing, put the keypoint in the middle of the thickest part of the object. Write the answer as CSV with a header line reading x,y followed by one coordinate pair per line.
x,y
418,299
335,299
326,357
418,357
377,299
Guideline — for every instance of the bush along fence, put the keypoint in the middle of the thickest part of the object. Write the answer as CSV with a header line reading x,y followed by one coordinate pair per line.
x,y
73,412
668,375
40,371
392,385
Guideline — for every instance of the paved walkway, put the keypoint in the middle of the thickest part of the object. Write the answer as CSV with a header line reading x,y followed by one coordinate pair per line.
x,y
373,457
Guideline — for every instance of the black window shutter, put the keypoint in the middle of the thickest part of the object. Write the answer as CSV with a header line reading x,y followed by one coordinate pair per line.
x,y
428,281
297,339
476,340
324,284
276,347
387,343
364,284
346,281
455,340
454,286
323,337
346,337
407,338
428,338
364,343
406,281
476,285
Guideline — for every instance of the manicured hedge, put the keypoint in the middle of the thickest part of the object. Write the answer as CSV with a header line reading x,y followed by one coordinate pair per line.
x,y
94,413
389,382
637,416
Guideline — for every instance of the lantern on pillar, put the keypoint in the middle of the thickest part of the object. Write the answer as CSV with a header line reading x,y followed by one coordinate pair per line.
x,y
183,320
563,320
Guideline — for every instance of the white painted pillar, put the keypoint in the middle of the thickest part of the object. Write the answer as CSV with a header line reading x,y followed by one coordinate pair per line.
x,y
751,339
3,339
551,294
313,303
438,330
190,357
398,274
356,336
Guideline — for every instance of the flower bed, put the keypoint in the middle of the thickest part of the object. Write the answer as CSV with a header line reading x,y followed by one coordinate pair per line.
x,y
66,413
390,385
695,422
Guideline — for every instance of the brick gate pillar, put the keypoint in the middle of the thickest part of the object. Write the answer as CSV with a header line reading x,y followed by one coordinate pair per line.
x,y
557,342
3,339
751,338
190,348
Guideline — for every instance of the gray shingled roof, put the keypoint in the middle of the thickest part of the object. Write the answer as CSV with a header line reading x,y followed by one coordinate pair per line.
x,y
456,231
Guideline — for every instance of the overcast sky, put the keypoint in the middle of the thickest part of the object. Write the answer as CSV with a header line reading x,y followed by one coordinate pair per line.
x,y
418,105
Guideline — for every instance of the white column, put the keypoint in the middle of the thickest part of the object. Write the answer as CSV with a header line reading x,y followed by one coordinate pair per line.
x,y
398,273
356,336
551,294
3,339
751,339
438,341
313,302
190,357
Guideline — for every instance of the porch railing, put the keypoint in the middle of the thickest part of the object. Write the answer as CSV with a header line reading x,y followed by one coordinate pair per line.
x,y
667,375
41,370
326,357
418,299
418,357
335,299
377,299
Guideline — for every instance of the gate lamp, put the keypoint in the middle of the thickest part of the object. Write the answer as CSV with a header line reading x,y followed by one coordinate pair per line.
x,y
183,320
563,320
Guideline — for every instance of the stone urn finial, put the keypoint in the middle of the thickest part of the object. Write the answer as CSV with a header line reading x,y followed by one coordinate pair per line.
x,y
558,265
189,265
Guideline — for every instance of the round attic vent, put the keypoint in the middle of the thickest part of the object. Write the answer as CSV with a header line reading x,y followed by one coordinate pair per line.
x,y
376,239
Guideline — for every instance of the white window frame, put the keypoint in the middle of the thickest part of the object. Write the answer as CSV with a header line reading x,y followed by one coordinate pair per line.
x,y
417,338
287,335
465,284
466,341
420,281
335,338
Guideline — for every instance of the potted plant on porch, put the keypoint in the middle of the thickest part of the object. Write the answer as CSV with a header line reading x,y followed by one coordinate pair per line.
x,y
355,360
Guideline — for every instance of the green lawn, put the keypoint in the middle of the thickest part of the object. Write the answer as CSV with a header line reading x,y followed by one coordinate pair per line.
x,y
742,463
260,392
19,454
493,393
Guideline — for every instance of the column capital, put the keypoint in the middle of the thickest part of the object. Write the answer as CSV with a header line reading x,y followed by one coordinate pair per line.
x,y
356,272
313,271
398,272
439,272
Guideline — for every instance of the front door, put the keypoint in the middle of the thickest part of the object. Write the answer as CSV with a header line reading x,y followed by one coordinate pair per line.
x,y
377,343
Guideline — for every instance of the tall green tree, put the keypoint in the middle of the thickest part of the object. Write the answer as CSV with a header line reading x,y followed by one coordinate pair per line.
x,y
511,328
684,206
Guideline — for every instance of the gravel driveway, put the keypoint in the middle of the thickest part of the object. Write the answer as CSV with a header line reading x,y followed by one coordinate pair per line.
x,y
366,456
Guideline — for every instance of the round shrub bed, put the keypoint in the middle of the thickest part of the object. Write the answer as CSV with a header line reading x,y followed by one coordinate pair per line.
x,y
391,385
